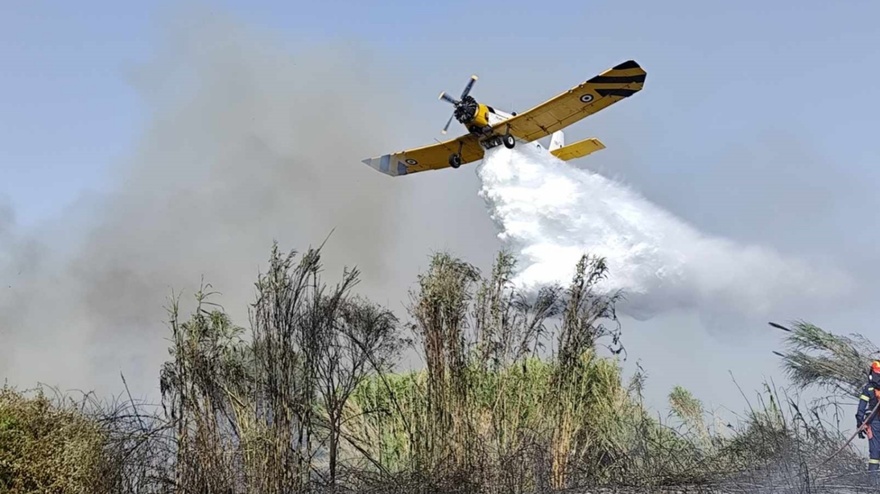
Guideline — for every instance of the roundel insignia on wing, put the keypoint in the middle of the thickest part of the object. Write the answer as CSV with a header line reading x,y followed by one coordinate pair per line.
x,y
586,98
411,162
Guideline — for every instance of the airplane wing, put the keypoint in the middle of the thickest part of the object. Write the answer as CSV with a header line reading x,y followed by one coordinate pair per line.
x,y
432,157
598,93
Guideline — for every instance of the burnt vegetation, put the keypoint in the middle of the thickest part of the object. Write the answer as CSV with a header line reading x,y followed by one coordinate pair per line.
x,y
515,393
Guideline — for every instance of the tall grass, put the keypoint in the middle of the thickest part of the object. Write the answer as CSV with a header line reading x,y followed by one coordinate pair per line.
x,y
518,393
815,357
266,414
491,408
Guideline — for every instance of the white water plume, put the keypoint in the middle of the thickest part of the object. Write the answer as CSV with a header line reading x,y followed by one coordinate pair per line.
x,y
550,213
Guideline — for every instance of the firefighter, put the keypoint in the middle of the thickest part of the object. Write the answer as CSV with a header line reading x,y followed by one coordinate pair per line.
x,y
867,402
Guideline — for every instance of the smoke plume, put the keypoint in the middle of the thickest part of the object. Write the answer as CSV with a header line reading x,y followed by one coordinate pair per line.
x,y
247,143
550,213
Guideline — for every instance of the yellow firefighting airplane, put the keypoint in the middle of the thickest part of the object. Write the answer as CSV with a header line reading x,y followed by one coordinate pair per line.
x,y
488,127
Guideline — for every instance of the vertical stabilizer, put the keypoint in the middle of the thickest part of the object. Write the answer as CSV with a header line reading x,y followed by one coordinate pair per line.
x,y
557,140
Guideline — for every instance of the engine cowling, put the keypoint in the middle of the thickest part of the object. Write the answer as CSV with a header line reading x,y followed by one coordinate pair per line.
x,y
466,110
470,113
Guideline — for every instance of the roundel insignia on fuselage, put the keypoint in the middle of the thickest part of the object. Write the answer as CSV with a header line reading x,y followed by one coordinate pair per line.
x,y
411,162
586,98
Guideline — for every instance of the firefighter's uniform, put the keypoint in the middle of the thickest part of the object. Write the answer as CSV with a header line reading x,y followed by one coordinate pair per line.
x,y
867,401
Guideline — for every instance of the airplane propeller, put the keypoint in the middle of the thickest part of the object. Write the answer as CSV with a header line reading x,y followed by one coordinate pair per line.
x,y
457,103
446,127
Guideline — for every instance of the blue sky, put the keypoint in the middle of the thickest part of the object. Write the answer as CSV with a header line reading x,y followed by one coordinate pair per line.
x,y
717,71
757,123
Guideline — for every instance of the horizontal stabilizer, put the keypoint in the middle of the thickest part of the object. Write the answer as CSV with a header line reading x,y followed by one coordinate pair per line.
x,y
578,149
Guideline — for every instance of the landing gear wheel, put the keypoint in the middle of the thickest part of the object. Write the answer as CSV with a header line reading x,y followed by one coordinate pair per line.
x,y
509,141
454,160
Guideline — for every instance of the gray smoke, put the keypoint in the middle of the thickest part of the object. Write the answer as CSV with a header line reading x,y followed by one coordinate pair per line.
x,y
247,143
